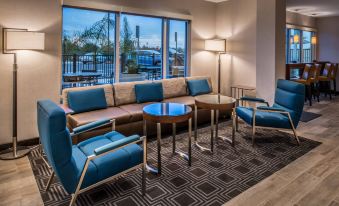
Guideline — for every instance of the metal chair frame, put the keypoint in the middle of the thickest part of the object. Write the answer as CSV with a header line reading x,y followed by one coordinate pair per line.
x,y
254,127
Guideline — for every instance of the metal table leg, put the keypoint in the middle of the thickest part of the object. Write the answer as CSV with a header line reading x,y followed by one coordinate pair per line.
x,y
156,171
180,153
224,138
196,130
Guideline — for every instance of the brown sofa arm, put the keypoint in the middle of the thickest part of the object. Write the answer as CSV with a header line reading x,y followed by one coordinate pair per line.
x,y
66,109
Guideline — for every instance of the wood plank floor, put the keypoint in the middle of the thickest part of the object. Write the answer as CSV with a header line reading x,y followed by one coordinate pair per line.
x,y
313,179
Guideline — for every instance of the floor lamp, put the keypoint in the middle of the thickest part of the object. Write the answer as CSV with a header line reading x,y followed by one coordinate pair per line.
x,y
219,46
14,39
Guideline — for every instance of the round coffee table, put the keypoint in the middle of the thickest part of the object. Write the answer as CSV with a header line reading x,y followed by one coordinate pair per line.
x,y
168,113
214,102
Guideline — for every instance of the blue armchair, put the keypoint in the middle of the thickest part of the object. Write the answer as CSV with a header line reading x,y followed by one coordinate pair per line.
x,y
92,162
284,114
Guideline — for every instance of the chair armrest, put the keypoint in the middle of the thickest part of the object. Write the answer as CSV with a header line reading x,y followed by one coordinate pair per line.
x,y
117,144
265,108
253,99
91,126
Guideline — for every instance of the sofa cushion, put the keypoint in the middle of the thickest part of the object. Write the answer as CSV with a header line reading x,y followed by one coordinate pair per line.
x,y
199,77
187,100
124,93
108,88
135,110
151,92
120,115
198,87
175,87
87,100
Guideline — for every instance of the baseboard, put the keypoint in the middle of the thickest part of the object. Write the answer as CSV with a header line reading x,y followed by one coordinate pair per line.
x,y
28,142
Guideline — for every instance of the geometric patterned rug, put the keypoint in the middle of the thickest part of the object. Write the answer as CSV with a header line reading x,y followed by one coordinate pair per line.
x,y
213,179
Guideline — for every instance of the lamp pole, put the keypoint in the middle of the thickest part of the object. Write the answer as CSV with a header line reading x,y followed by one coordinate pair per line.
x,y
15,152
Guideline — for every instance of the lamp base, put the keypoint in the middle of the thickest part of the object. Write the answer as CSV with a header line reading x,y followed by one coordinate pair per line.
x,y
10,154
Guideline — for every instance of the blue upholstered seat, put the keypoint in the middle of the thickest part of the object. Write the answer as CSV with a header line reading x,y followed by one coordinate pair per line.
x,y
289,100
68,160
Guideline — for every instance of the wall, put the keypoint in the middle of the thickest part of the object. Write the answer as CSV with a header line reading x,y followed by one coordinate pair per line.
x,y
328,33
300,20
40,72
236,22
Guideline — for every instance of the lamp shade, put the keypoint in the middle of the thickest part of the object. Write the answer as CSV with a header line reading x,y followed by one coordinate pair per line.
x,y
216,45
24,40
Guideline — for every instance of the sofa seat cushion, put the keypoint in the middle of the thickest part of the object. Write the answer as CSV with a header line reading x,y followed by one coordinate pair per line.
x,y
116,113
135,110
113,163
263,119
187,100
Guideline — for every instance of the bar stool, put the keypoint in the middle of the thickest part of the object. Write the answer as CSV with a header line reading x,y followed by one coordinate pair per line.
x,y
314,79
306,80
325,79
333,77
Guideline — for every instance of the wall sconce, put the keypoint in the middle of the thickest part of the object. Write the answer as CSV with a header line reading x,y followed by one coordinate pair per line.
x,y
219,46
18,39
314,40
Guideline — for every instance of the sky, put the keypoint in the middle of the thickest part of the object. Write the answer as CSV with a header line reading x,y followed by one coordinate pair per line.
x,y
75,20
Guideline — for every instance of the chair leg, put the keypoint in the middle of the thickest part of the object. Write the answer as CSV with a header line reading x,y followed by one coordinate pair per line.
x,y
236,123
309,92
335,87
143,180
318,91
50,180
253,135
329,89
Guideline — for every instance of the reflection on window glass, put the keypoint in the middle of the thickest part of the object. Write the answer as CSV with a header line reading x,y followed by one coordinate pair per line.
x,y
87,47
307,47
294,48
140,48
177,48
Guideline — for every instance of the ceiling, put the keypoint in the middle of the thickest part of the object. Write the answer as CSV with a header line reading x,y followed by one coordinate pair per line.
x,y
315,8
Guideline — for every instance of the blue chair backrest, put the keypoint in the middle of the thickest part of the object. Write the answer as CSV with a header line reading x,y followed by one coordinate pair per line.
x,y
57,144
290,96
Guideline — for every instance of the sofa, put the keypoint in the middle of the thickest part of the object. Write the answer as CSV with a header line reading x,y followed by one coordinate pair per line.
x,y
123,107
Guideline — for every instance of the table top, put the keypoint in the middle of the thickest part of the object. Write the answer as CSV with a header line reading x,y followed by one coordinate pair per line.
x,y
167,112
215,101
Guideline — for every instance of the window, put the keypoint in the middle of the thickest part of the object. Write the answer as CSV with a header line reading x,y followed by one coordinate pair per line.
x,y
177,48
300,46
140,48
88,46
91,38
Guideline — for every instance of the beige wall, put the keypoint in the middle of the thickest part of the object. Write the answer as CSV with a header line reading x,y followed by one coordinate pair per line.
x,y
236,21
40,72
328,39
300,20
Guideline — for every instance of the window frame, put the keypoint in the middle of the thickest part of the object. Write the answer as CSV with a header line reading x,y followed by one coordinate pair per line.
x,y
301,29
164,44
